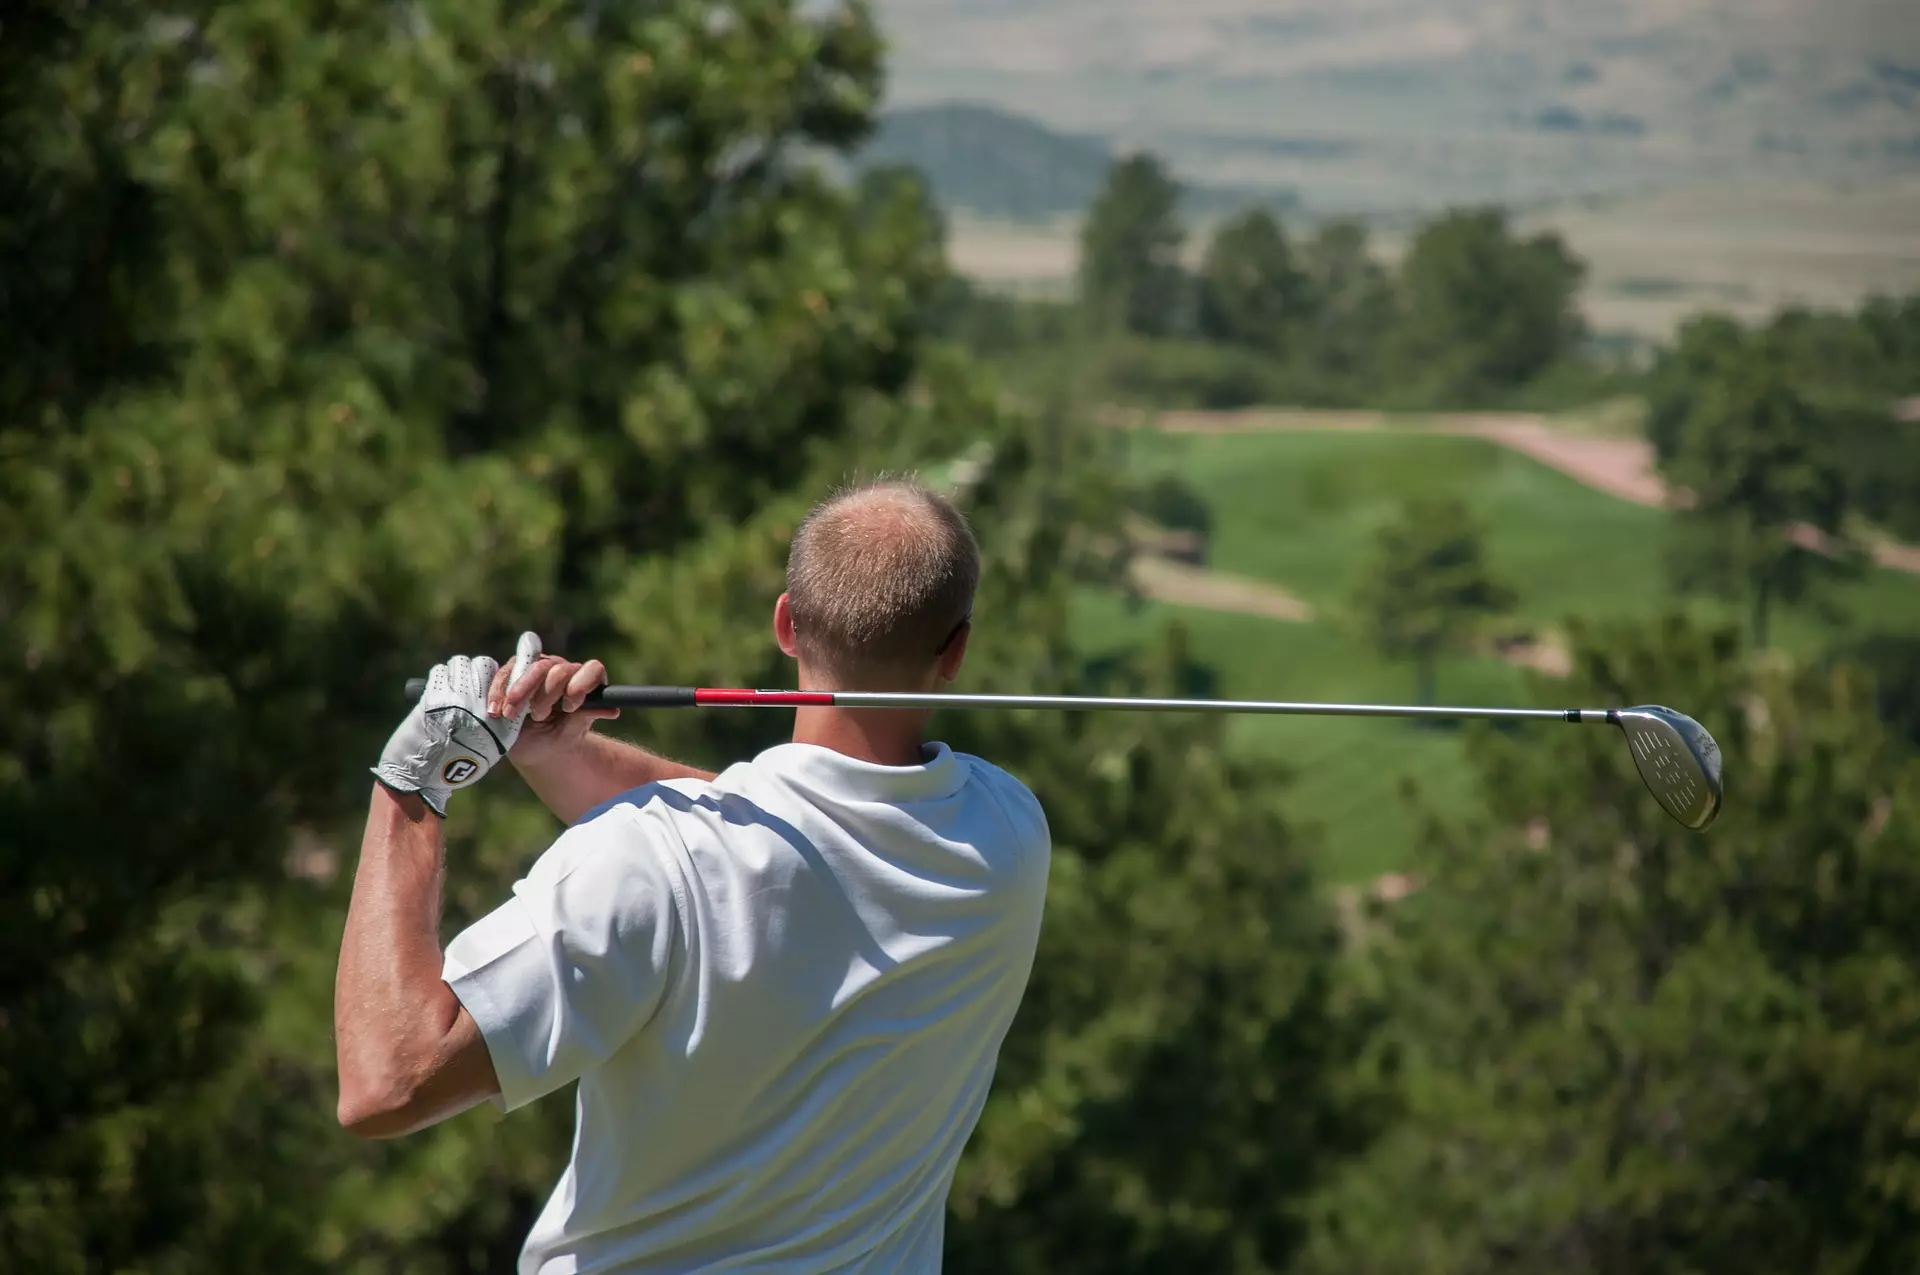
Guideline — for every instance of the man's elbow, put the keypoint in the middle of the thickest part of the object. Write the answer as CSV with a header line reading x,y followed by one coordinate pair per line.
x,y
393,1087
374,1109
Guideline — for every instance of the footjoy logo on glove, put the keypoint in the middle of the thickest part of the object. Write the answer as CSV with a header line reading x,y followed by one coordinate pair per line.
x,y
459,770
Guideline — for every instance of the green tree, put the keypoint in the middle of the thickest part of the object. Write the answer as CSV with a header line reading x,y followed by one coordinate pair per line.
x,y
1850,369
1131,279
1348,302
333,343
1893,325
1855,369
1170,501
1429,587
1615,1045
1891,662
367,335
174,597
1482,310
1706,348
1831,353
1766,501
1251,291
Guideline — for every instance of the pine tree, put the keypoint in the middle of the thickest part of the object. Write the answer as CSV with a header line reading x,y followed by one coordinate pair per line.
x,y
1429,587
1131,279
1349,305
1482,310
383,339
1766,503
1251,291
1615,1045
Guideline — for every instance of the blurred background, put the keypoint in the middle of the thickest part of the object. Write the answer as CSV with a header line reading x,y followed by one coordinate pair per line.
x,y
1509,351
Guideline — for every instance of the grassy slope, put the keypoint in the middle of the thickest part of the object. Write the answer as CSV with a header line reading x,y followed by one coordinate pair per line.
x,y
1301,510
1347,774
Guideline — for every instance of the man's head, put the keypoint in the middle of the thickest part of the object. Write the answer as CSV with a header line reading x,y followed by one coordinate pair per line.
x,y
880,585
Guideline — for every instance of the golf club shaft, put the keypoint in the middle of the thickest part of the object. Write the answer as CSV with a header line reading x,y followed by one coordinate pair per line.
x,y
716,697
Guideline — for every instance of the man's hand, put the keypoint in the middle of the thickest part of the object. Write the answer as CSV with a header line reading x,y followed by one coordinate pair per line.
x,y
450,740
570,768
548,699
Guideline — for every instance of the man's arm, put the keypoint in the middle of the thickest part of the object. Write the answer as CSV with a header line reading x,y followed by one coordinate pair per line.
x,y
568,767
594,769
409,1054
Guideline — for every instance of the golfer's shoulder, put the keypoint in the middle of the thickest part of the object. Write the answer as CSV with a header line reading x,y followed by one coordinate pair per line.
x,y
636,807
640,821
609,857
1025,817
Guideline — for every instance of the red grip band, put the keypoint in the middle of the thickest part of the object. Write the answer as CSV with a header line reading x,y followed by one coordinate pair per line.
x,y
707,696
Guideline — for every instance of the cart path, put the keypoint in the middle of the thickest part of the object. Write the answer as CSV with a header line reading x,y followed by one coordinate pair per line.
x,y
1166,580
1620,467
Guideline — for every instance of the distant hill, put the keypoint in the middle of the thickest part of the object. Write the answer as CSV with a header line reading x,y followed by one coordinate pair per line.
x,y
991,161
994,163
1395,105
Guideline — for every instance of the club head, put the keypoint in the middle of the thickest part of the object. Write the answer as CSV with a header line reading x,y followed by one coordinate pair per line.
x,y
1678,760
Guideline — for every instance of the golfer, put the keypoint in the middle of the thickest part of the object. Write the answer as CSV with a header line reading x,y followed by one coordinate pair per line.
x,y
781,989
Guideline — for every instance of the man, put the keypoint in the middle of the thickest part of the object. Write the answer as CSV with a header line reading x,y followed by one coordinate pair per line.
x,y
782,989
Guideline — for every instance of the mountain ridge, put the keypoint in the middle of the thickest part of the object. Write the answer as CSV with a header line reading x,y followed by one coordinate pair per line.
x,y
1418,103
983,159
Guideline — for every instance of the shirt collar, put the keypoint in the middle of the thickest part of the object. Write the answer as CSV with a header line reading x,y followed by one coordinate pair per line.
x,y
940,775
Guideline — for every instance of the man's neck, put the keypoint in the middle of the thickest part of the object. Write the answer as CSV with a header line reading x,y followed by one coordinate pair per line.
x,y
883,736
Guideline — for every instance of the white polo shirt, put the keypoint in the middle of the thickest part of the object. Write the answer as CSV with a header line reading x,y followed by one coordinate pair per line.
x,y
783,994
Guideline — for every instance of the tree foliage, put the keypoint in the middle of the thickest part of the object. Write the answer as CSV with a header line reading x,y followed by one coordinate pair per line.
x,y
334,338
1852,371
1170,501
333,342
1482,308
1429,587
1613,1045
1890,661
1349,298
1251,291
1706,349
1857,370
1131,279
1475,316
1750,458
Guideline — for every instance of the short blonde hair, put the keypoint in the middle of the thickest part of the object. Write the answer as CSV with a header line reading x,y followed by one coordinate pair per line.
x,y
880,579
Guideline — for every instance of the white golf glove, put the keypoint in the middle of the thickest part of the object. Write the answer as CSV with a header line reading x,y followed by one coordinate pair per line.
x,y
448,741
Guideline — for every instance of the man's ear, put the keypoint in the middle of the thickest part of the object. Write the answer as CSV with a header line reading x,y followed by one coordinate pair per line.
x,y
783,627
950,659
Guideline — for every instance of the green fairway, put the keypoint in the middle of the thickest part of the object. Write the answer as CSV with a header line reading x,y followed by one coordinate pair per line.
x,y
1347,773
1301,510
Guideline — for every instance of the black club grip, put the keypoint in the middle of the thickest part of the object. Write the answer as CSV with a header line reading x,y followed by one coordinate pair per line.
x,y
606,696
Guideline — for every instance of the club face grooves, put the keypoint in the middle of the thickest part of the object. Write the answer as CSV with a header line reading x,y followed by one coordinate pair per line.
x,y
1678,760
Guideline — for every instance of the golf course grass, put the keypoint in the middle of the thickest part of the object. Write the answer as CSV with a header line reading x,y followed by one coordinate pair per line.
x,y
1347,774
1301,511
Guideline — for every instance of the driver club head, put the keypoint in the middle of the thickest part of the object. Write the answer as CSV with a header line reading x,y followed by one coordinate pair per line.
x,y
1677,758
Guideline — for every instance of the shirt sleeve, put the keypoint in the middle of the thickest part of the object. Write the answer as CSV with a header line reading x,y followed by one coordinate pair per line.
x,y
565,972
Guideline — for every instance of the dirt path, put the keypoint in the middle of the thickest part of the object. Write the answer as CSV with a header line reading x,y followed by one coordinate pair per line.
x,y
1178,583
1547,656
1619,466
1165,580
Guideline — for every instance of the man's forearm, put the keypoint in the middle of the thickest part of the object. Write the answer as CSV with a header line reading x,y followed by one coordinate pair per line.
x,y
573,780
394,1019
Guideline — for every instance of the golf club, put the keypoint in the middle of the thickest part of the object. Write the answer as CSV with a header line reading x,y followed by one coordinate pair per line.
x,y
1674,754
